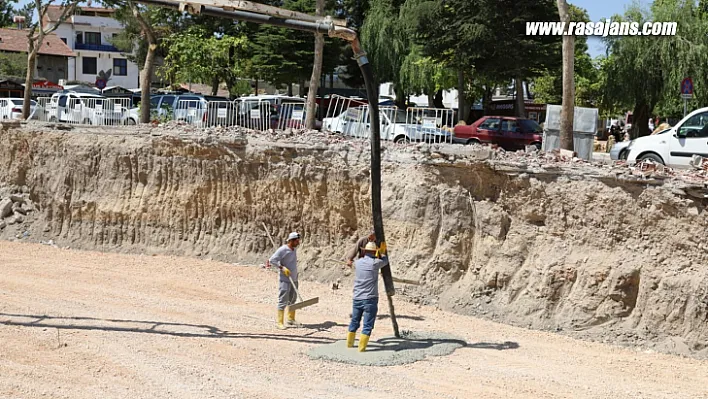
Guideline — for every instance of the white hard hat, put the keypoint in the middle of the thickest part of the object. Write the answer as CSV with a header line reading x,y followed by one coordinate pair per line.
x,y
370,246
294,236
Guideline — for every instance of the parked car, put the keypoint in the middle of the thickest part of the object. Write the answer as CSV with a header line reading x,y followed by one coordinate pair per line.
x,y
620,151
11,108
510,133
394,126
273,112
84,108
677,146
188,108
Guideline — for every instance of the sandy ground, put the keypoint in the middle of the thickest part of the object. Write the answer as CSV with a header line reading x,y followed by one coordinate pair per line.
x,y
87,325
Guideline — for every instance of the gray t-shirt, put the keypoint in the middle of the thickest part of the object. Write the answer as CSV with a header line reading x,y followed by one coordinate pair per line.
x,y
366,281
287,258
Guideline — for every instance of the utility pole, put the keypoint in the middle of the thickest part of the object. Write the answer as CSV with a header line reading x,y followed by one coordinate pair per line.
x,y
264,14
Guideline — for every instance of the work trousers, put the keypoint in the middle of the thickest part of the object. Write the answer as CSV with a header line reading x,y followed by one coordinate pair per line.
x,y
368,308
286,294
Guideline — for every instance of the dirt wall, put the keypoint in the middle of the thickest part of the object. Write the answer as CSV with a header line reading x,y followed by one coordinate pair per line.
x,y
593,257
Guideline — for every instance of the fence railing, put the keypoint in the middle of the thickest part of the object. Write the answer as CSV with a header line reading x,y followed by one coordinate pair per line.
x,y
85,111
351,118
348,116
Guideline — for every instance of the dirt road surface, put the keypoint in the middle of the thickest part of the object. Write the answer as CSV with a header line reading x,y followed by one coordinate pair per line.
x,y
88,325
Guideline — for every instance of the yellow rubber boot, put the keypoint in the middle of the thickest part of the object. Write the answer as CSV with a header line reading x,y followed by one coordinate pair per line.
x,y
363,341
350,339
291,319
281,316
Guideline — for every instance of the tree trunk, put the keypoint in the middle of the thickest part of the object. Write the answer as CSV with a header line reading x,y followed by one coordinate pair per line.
x,y
520,103
568,108
438,99
145,83
256,87
316,73
639,128
331,82
215,86
461,107
290,89
29,79
400,97
431,99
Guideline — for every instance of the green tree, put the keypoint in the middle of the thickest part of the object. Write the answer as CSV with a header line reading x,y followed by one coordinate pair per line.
x,y
13,64
7,11
548,88
644,72
198,55
35,38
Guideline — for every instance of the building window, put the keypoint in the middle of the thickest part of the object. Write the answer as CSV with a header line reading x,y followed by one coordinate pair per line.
x,y
120,67
63,39
93,38
90,66
79,38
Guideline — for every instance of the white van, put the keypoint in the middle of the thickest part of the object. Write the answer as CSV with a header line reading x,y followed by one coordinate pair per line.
x,y
86,109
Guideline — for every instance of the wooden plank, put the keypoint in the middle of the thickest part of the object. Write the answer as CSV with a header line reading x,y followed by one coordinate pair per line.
x,y
259,8
404,281
304,304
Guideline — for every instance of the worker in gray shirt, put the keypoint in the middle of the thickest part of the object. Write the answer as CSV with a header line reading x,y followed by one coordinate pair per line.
x,y
358,251
285,258
366,295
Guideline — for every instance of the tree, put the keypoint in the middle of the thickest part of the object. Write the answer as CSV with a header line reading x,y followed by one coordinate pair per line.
x,y
643,72
7,11
35,38
198,55
13,64
316,72
568,109
548,88
485,40
144,27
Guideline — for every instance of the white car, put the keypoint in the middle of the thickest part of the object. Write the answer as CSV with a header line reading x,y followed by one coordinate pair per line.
x,y
676,147
86,109
11,108
355,122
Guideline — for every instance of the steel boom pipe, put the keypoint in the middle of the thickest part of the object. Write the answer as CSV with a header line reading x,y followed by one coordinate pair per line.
x,y
350,35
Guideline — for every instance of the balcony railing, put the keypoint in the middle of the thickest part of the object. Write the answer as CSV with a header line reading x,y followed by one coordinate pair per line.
x,y
96,47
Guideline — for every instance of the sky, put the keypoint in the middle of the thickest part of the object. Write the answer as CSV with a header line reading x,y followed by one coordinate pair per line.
x,y
598,10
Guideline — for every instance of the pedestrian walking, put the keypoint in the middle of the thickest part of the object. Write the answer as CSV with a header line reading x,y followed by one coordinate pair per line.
x,y
285,258
366,294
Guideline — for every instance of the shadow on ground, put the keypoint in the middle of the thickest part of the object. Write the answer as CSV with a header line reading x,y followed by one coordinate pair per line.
x,y
155,327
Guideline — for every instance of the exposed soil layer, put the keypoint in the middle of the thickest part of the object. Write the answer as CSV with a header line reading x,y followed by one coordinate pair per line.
x,y
569,250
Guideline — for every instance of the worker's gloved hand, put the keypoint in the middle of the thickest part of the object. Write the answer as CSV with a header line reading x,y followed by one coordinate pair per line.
x,y
285,271
382,248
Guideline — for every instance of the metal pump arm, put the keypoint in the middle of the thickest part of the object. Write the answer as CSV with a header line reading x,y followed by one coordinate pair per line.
x,y
268,15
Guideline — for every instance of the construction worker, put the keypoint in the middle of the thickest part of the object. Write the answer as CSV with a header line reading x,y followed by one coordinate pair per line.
x,y
286,260
366,294
358,251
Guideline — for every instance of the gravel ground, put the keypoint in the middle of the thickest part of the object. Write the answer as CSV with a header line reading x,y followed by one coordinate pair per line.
x,y
88,324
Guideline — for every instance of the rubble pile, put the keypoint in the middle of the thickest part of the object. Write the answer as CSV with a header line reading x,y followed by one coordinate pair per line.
x,y
14,208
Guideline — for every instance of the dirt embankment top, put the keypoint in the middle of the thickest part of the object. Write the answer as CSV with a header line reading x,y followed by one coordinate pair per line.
x,y
605,252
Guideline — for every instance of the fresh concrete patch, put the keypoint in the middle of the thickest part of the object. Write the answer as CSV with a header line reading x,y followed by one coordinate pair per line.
x,y
391,351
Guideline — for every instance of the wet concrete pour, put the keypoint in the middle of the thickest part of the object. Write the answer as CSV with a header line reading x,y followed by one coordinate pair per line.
x,y
390,351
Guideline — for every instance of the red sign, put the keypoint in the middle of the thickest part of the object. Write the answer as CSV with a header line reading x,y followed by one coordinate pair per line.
x,y
687,87
45,84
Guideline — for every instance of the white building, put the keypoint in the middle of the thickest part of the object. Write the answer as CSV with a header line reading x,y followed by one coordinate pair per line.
x,y
88,34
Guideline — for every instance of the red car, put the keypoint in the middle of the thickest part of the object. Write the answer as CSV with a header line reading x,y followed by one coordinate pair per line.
x,y
508,132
